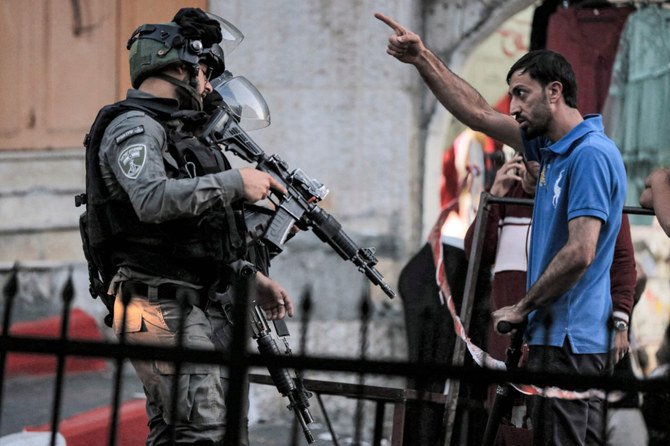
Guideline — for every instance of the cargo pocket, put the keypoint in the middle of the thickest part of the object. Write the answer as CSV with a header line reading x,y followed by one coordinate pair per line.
x,y
133,315
199,393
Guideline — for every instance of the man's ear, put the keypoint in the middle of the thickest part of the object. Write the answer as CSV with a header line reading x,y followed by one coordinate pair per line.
x,y
554,91
177,70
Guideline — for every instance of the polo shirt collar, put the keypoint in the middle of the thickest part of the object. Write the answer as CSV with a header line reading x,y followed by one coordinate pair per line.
x,y
591,123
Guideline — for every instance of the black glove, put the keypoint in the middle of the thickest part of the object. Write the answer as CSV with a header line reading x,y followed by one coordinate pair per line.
x,y
212,101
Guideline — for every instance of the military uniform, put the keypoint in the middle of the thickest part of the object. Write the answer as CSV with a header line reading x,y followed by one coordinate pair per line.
x,y
133,155
139,165
163,232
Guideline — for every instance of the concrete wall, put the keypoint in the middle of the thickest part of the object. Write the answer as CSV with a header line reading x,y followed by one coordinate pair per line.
x,y
342,110
38,219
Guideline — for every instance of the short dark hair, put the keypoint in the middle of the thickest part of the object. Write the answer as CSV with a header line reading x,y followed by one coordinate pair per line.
x,y
546,66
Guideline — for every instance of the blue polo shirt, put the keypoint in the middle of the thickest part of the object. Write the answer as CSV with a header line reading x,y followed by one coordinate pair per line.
x,y
582,174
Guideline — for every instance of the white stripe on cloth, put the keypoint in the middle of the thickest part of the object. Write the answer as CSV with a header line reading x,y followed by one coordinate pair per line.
x,y
482,358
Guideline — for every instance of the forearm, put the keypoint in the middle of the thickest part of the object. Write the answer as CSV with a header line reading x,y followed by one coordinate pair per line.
x,y
566,268
660,186
464,102
623,273
459,97
166,199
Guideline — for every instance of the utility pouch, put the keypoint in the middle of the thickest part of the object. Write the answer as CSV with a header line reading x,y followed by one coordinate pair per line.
x,y
97,285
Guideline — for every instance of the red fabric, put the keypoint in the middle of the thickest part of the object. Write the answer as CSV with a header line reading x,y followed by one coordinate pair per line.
x,y
623,273
588,38
453,182
508,286
450,185
92,427
82,327
434,240
514,436
503,104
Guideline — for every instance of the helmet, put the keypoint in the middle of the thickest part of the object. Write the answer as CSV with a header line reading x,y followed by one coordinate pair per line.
x,y
213,58
192,37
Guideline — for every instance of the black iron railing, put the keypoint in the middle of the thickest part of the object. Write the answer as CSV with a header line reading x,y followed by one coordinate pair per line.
x,y
240,360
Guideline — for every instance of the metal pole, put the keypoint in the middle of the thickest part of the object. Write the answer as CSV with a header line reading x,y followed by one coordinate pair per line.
x,y
68,296
452,385
9,292
118,373
239,361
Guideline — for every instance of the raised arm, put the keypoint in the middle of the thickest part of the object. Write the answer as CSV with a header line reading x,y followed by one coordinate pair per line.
x,y
457,96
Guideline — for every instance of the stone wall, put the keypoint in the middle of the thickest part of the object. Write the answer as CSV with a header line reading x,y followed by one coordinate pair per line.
x,y
342,110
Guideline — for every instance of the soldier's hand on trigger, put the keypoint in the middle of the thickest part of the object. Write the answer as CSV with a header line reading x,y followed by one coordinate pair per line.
x,y
257,184
404,45
272,298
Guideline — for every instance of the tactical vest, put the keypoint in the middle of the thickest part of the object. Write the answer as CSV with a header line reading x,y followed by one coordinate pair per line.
x,y
193,249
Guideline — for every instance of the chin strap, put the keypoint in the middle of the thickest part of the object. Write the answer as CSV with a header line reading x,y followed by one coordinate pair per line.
x,y
187,95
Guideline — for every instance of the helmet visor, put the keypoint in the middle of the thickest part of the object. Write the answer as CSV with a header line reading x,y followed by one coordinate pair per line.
x,y
232,36
213,58
245,102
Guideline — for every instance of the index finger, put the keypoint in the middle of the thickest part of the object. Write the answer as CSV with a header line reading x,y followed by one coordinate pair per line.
x,y
288,305
397,27
274,184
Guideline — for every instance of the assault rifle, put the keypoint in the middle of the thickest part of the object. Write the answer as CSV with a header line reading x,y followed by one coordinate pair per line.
x,y
289,387
298,205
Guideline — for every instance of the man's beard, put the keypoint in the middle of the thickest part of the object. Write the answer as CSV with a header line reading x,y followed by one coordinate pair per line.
x,y
539,119
188,98
186,94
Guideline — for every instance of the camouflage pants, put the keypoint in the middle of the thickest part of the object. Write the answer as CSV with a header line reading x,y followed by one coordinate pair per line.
x,y
200,414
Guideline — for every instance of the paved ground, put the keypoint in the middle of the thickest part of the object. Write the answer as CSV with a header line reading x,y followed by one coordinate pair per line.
x,y
28,401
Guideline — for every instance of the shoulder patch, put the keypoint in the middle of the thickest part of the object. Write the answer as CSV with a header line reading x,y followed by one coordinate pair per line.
x,y
128,133
131,160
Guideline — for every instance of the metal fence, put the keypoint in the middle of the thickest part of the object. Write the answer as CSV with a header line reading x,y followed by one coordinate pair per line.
x,y
241,360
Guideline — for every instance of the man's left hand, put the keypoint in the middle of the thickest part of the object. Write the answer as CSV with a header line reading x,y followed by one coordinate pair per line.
x,y
272,298
621,345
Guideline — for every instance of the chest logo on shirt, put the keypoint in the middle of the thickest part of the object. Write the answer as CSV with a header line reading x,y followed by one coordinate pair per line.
x,y
557,188
543,175
131,160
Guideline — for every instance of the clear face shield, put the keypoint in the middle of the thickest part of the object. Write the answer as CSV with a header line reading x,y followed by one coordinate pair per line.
x,y
232,36
244,101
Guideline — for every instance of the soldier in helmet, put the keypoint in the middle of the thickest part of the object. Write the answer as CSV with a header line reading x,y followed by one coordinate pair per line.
x,y
162,221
